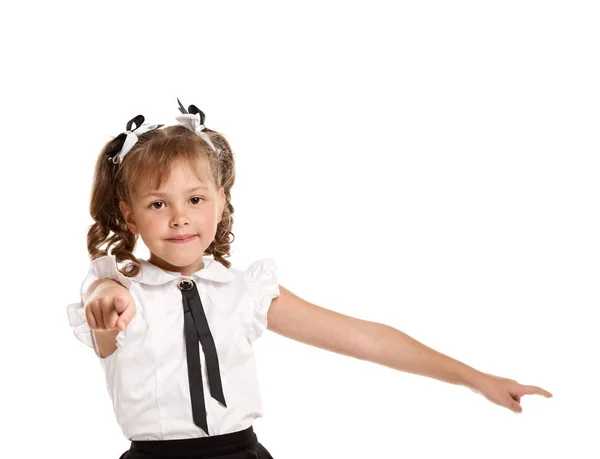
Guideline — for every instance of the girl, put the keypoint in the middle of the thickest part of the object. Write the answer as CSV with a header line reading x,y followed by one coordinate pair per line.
x,y
174,333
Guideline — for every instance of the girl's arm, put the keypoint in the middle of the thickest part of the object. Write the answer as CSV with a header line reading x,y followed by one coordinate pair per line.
x,y
295,318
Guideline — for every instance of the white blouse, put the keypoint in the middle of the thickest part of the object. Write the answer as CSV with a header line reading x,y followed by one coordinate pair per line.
x,y
147,375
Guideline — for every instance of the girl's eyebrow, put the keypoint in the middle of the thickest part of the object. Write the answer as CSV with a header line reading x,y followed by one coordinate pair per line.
x,y
162,195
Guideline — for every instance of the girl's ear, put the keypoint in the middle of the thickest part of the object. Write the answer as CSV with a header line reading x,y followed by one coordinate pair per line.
x,y
128,217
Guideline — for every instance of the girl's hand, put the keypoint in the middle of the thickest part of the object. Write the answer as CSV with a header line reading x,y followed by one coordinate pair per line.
x,y
506,392
110,307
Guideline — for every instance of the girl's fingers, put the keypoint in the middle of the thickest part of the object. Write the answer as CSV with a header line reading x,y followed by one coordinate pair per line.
x,y
539,391
515,404
517,408
104,313
99,321
508,392
126,316
530,390
91,320
110,317
121,302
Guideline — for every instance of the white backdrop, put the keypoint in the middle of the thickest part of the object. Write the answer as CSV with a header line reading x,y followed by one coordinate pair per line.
x,y
432,166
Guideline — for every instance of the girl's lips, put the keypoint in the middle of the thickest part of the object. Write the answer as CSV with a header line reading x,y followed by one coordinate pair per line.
x,y
182,241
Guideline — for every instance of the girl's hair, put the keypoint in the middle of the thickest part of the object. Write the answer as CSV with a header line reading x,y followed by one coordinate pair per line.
x,y
150,160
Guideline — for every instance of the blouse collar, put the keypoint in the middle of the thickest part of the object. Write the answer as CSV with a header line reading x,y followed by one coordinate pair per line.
x,y
153,275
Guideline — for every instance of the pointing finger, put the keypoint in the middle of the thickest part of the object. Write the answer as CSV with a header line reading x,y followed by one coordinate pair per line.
x,y
530,390
110,319
126,316
121,302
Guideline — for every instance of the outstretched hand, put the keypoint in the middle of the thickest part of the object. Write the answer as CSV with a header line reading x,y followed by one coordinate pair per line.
x,y
110,307
506,392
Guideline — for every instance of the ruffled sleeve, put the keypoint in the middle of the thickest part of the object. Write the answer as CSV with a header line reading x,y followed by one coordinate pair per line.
x,y
101,268
261,280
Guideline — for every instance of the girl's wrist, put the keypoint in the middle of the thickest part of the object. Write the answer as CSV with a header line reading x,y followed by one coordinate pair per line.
x,y
477,381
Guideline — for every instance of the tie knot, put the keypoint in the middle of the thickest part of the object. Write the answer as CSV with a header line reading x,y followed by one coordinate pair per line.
x,y
185,284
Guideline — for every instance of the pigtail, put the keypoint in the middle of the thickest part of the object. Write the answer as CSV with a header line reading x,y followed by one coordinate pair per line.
x,y
221,245
110,228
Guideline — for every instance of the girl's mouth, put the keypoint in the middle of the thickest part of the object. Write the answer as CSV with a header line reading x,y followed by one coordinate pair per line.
x,y
182,241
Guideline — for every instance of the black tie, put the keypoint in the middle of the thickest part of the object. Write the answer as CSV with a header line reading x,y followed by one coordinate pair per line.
x,y
196,326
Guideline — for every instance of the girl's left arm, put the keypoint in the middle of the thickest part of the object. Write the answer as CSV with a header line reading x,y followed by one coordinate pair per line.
x,y
295,318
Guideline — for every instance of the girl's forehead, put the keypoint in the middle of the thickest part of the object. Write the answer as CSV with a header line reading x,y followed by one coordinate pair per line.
x,y
180,175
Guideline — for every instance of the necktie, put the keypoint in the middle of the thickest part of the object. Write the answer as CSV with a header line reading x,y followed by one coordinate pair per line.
x,y
196,327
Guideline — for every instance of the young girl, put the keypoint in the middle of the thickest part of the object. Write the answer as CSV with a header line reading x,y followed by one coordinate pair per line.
x,y
174,333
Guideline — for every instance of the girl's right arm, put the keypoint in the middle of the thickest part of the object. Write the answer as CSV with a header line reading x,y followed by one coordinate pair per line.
x,y
108,309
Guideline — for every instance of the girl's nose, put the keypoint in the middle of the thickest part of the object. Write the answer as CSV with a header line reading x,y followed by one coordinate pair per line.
x,y
180,223
180,219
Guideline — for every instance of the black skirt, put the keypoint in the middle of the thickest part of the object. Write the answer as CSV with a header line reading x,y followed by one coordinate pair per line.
x,y
236,445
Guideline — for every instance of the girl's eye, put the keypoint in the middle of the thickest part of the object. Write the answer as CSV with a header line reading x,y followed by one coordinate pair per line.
x,y
195,201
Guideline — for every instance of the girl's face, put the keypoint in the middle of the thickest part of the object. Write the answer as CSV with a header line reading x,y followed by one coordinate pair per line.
x,y
184,206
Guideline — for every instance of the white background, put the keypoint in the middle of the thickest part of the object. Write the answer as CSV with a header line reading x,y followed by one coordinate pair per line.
x,y
429,165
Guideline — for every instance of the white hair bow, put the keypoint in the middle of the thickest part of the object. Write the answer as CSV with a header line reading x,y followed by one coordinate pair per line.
x,y
131,137
193,119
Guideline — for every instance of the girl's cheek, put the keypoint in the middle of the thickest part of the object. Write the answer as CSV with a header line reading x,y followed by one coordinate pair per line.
x,y
150,221
154,221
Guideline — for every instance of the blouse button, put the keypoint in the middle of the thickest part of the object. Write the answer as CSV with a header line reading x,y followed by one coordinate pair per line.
x,y
185,284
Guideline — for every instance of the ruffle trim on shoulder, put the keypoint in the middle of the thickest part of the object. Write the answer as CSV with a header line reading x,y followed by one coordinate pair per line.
x,y
104,268
262,281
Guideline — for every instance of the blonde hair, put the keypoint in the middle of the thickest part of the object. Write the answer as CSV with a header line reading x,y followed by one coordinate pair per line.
x,y
151,159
